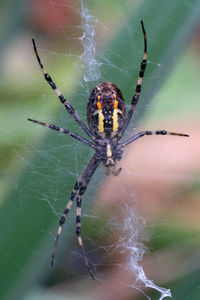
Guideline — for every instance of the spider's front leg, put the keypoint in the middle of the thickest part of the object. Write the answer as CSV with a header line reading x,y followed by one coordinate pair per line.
x,y
138,86
78,191
149,132
67,105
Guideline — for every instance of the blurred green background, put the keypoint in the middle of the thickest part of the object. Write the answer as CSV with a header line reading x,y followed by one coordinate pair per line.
x,y
39,168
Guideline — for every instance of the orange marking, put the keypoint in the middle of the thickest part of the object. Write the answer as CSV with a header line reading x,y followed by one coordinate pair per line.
x,y
99,105
98,97
115,103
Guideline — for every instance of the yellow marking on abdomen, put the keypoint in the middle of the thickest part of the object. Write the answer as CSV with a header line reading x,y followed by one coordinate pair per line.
x,y
115,118
100,120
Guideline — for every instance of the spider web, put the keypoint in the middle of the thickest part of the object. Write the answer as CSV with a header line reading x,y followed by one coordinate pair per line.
x,y
129,244
130,233
124,251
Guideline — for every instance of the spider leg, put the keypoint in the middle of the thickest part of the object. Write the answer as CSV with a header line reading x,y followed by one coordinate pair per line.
x,y
63,218
78,192
67,105
147,132
78,232
65,131
138,86
83,183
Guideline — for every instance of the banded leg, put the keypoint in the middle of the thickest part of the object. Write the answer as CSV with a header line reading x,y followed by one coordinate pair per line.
x,y
138,86
65,131
67,105
63,218
78,191
78,232
83,183
147,132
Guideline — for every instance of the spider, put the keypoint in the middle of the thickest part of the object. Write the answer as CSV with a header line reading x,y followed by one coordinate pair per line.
x,y
107,120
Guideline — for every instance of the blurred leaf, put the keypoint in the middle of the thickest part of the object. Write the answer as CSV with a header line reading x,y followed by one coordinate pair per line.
x,y
30,211
187,287
165,235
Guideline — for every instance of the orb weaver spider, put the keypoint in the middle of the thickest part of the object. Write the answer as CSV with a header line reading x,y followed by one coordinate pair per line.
x,y
107,120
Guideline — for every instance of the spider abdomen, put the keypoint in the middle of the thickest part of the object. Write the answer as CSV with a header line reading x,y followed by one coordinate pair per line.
x,y
106,110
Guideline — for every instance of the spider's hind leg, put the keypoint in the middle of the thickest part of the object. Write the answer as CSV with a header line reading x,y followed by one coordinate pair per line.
x,y
62,220
82,185
77,193
78,232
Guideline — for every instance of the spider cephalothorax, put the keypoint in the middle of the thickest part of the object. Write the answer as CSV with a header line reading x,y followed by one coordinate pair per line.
x,y
107,120
109,152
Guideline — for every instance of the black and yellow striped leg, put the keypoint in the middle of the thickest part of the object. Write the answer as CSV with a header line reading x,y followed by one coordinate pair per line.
x,y
83,183
67,105
65,131
63,218
78,192
147,132
138,86
78,232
